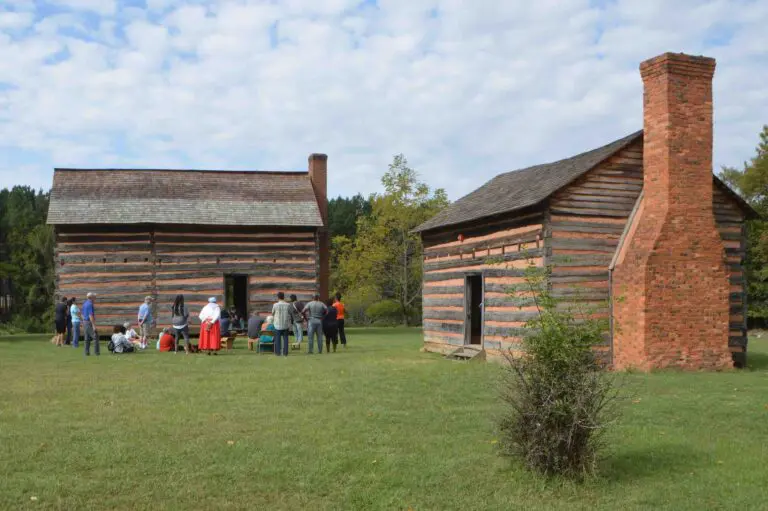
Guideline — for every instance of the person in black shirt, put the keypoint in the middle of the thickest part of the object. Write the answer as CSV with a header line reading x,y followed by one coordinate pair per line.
x,y
60,319
330,326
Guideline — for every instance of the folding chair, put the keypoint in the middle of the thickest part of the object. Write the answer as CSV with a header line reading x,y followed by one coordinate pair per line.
x,y
270,342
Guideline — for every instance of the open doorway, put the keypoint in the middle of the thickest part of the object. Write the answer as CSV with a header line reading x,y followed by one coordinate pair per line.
x,y
236,294
473,327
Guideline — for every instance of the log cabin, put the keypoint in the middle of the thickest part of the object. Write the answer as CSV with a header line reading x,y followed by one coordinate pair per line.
x,y
240,236
640,231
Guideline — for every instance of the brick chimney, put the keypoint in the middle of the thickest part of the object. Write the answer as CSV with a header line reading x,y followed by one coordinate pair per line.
x,y
318,175
670,285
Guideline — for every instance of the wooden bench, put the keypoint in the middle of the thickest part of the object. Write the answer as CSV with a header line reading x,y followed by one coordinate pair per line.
x,y
229,341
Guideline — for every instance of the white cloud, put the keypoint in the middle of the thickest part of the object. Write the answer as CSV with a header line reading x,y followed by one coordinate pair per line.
x,y
12,20
464,90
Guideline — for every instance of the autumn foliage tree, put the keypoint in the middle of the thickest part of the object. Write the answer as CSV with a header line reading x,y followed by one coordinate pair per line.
x,y
384,260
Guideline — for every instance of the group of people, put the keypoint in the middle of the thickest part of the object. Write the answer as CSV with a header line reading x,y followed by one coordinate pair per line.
x,y
68,317
324,321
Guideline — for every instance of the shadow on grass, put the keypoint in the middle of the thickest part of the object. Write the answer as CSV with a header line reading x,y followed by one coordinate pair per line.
x,y
651,463
757,361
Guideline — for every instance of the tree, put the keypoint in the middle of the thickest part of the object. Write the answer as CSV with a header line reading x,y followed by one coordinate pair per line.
x,y
752,183
343,213
385,255
26,254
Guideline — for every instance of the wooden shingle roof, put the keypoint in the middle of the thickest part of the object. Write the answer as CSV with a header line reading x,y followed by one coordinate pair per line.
x,y
513,191
203,197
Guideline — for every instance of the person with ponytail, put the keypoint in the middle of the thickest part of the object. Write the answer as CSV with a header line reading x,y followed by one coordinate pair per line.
x,y
180,322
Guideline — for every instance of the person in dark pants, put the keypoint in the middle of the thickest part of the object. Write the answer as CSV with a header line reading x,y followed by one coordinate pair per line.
x,y
283,320
68,340
340,318
180,322
330,327
89,325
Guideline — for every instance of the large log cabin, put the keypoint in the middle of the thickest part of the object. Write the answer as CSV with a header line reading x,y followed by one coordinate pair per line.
x,y
240,236
639,229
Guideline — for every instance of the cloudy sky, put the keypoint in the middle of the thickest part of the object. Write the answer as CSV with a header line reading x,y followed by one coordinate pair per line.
x,y
465,89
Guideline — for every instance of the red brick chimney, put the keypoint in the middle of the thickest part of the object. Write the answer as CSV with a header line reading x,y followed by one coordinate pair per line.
x,y
670,285
318,175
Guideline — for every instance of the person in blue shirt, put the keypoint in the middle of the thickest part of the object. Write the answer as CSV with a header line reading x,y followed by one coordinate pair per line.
x,y
89,325
145,321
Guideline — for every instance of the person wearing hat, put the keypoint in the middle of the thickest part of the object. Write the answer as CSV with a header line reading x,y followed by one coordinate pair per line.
x,y
210,327
89,325
145,321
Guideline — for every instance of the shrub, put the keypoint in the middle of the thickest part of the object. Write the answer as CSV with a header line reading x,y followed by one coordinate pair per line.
x,y
385,313
356,303
558,399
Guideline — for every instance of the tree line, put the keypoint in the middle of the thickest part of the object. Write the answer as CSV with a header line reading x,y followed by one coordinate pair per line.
x,y
376,261
26,259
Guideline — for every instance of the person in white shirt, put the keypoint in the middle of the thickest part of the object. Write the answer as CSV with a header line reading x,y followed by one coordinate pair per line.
x,y
131,335
210,327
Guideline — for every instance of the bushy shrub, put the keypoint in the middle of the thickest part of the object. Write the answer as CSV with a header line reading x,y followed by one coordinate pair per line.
x,y
385,313
558,399
356,303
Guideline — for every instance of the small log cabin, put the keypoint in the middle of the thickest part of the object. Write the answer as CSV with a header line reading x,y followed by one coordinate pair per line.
x,y
240,236
639,229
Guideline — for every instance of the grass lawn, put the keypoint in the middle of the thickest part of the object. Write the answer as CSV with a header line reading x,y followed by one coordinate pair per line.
x,y
378,426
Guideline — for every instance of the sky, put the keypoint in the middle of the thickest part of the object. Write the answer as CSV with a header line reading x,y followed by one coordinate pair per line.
x,y
465,89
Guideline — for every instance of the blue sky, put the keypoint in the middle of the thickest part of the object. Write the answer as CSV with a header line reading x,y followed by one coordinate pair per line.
x,y
464,89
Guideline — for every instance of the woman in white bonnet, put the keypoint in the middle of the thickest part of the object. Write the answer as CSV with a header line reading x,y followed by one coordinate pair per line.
x,y
210,327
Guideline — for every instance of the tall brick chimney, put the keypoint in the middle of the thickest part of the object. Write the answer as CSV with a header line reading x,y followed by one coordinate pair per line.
x,y
318,175
670,285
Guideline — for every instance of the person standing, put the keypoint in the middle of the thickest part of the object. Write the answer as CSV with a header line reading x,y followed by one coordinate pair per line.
x,y
60,319
283,320
68,340
298,319
330,327
210,327
340,319
315,312
145,321
74,313
89,325
180,322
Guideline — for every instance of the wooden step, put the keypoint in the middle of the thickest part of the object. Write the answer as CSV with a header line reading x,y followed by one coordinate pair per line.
x,y
466,353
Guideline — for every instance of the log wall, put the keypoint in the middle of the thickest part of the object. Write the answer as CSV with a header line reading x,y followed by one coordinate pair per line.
x,y
731,224
500,250
586,220
123,264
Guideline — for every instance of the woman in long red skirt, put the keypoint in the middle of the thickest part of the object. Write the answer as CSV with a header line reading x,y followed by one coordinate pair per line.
x,y
210,327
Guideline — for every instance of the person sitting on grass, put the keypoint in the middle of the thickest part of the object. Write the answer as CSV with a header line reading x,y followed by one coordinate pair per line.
x,y
120,343
131,334
167,340
254,329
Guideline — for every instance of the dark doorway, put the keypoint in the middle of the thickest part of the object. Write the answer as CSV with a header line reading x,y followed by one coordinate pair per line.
x,y
474,310
236,293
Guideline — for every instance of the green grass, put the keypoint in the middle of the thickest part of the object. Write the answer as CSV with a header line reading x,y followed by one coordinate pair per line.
x,y
379,426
